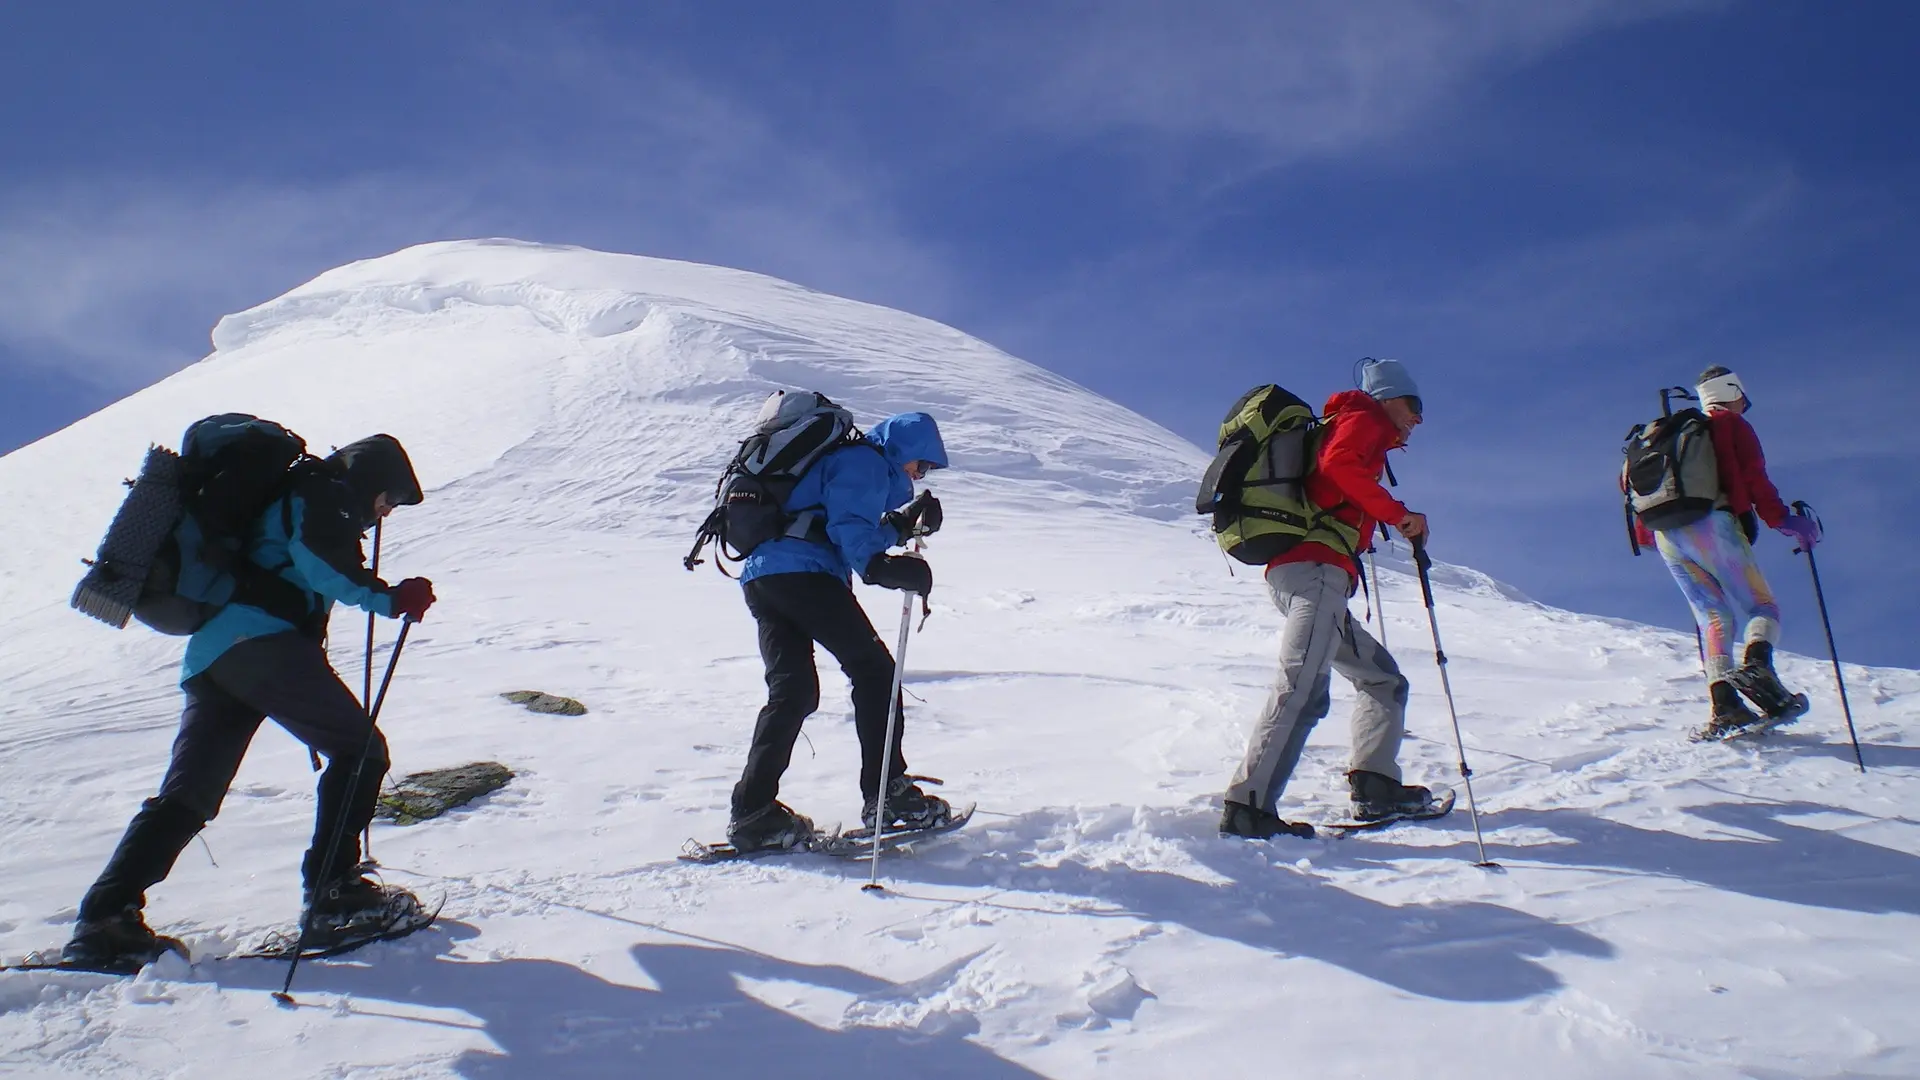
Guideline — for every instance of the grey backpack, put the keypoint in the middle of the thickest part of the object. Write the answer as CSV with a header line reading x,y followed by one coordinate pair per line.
x,y
796,428
1671,477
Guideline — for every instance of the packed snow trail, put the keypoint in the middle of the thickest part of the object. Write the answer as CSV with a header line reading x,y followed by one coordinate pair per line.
x,y
1088,675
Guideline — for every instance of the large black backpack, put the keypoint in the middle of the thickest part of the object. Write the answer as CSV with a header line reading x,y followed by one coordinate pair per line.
x,y
1671,476
796,428
175,553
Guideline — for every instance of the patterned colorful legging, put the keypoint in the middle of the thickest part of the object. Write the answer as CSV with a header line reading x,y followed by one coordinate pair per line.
x,y
1714,565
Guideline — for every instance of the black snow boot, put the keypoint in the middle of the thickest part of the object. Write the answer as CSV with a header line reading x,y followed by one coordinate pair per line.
x,y
121,941
1730,714
1756,678
908,807
357,903
1239,819
773,826
1377,796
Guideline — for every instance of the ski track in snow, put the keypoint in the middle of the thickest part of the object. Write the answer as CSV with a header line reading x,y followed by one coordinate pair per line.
x,y
1088,675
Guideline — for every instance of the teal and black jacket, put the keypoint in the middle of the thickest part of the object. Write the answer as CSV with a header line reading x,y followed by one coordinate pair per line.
x,y
311,539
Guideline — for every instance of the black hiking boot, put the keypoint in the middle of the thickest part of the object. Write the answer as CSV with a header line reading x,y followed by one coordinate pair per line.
x,y
1758,681
1239,819
1377,796
772,827
1730,714
908,807
119,942
357,904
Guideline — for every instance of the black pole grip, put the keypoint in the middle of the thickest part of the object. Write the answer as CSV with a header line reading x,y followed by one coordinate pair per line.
x,y
1425,563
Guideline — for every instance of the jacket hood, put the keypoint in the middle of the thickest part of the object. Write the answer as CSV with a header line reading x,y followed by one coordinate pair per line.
x,y
910,437
377,464
1364,404
1352,400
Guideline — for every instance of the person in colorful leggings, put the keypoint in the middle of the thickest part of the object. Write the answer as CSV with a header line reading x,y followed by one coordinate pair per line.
x,y
1712,560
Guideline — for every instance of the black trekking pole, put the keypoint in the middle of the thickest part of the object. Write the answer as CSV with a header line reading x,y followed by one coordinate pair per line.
x,y
285,995
1820,595
366,685
1425,563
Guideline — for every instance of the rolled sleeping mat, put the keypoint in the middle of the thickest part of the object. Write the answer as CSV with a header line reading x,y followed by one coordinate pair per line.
x,y
145,519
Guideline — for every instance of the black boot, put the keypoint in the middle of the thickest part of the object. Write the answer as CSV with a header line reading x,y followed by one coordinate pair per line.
x,y
1730,714
1377,796
120,941
908,807
1239,819
356,903
1761,684
773,826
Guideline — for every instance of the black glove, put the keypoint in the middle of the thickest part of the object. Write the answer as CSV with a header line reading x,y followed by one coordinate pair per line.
x,y
919,517
908,573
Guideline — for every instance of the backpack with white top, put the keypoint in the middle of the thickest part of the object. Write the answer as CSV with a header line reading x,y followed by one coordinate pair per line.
x,y
796,428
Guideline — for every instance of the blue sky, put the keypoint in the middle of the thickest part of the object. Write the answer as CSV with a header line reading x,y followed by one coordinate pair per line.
x,y
1547,210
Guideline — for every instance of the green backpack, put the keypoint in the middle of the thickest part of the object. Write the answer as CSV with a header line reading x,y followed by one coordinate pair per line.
x,y
1255,490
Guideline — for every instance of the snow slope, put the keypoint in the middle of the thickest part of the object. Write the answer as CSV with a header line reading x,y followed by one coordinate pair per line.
x,y
1088,676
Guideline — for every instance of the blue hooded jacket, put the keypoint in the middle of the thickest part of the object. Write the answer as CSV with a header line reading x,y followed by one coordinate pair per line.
x,y
855,486
310,538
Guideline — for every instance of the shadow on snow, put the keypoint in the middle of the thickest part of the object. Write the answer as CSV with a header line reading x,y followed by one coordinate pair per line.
x,y
552,1020
1450,950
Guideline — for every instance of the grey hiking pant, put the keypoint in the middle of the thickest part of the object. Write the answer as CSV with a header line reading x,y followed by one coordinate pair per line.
x,y
1320,635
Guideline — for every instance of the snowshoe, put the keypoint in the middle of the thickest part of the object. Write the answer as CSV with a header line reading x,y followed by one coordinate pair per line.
x,y
853,843
858,843
405,915
1253,823
357,906
1377,796
1438,805
908,807
119,944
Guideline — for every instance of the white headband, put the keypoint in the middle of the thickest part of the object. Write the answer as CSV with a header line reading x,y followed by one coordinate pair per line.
x,y
1721,390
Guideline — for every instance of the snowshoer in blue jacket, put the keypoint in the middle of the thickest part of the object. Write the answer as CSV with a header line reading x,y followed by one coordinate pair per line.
x,y
800,592
267,657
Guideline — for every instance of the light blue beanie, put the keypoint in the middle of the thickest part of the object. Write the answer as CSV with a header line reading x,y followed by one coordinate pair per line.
x,y
1385,379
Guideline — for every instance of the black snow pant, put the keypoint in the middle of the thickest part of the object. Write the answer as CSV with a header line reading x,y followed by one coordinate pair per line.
x,y
795,611
286,677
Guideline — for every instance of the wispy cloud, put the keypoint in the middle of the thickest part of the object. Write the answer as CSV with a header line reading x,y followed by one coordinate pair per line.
x,y
115,283
1295,79
115,280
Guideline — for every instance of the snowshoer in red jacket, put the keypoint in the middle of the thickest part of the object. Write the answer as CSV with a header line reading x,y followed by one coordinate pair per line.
x,y
1311,584
1712,561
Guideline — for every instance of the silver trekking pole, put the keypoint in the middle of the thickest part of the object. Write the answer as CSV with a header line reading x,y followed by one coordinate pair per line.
x,y
1424,563
893,726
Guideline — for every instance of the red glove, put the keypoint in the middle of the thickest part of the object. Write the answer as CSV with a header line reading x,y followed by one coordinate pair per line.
x,y
412,598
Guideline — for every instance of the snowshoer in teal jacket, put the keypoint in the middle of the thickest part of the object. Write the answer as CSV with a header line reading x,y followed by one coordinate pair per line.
x,y
267,658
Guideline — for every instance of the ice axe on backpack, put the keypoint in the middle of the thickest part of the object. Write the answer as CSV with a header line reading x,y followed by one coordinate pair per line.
x,y
1820,595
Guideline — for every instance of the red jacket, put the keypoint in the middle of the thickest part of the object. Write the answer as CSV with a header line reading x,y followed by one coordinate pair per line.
x,y
1347,470
1743,468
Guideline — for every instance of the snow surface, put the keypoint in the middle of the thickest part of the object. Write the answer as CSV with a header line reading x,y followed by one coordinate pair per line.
x,y
1088,675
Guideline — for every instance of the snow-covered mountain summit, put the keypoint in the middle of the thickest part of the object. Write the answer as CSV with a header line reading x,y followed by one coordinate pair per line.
x,y
1088,676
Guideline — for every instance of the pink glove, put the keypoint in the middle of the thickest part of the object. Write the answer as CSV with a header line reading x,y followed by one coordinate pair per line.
x,y
1802,530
